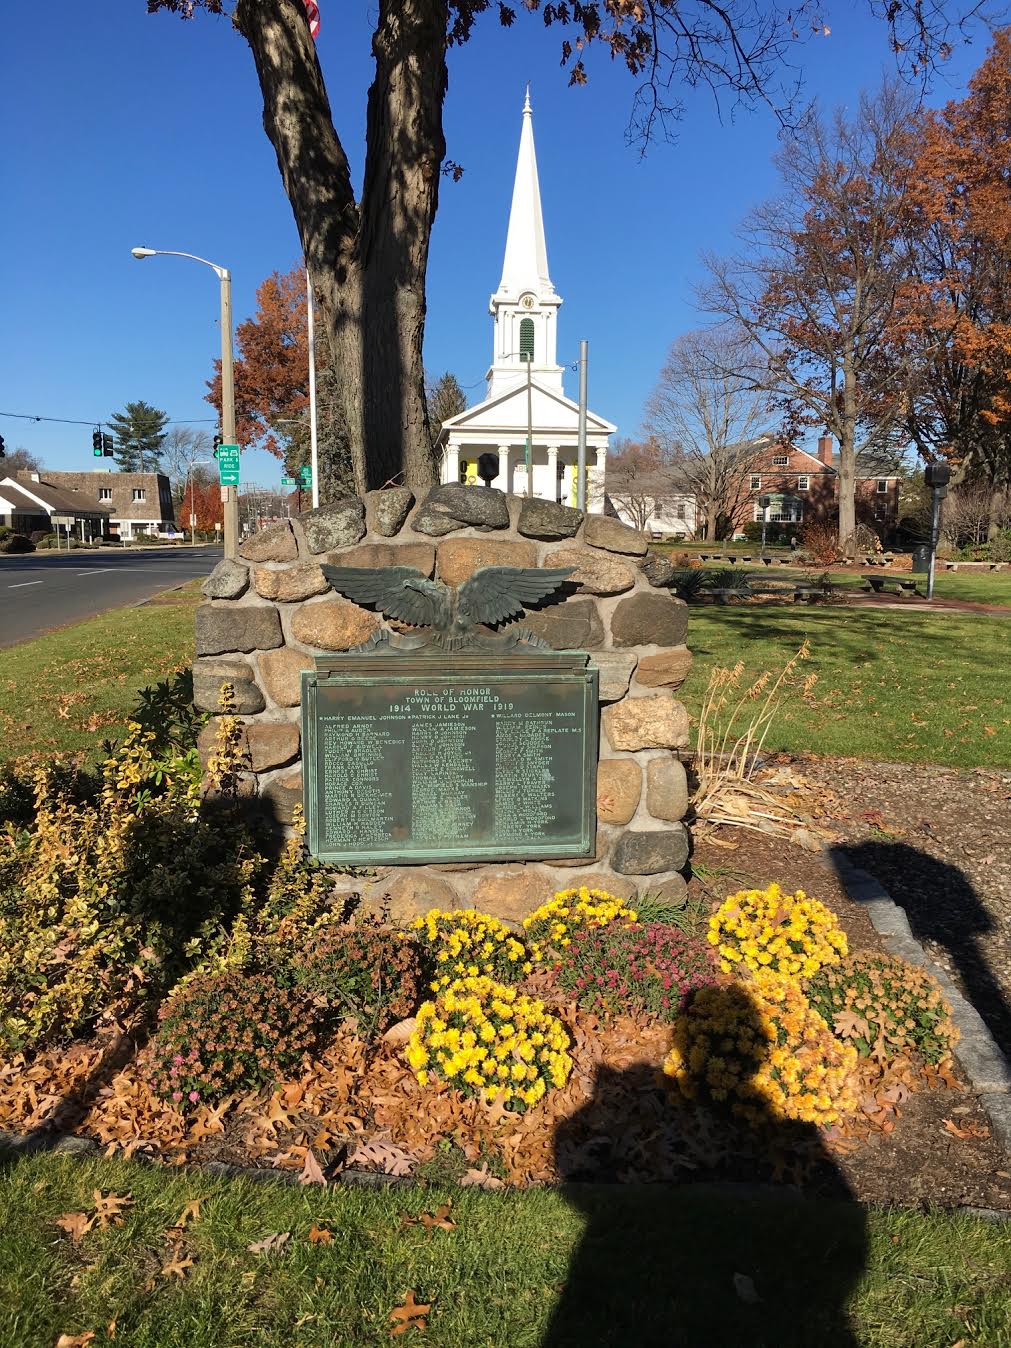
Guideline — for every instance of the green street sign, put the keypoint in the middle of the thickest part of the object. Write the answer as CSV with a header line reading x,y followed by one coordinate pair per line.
x,y
305,473
228,465
288,482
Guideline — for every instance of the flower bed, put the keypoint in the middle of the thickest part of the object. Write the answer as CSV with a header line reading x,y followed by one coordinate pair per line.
x,y
284,1029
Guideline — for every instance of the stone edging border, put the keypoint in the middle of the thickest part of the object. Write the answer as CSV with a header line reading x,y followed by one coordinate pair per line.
x,y
985,1065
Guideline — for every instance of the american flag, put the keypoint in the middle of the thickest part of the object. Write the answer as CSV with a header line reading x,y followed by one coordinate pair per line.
x,y
312,12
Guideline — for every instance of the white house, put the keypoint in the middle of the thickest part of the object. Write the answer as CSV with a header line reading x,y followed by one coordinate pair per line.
x,y
488,442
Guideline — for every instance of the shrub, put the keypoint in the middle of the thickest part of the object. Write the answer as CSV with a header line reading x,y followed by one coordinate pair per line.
x,y
789,934
227,1033
689,583
487,1040
367,971
761,1048
465,944
550,927
16,543
107,895
775,532
876,1000
632,968
821,542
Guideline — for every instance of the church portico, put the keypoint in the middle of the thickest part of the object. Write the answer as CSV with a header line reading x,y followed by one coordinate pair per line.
x,y
526,401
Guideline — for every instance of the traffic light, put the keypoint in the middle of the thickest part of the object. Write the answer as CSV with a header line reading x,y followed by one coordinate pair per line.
x,y
107,444
3,448
96,444
217,445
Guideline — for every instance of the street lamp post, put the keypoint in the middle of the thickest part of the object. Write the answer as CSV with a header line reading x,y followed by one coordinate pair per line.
x,y
193,512
764,502
229,495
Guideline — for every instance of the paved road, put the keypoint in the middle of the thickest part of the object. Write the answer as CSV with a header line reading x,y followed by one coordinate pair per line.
x,y
41,590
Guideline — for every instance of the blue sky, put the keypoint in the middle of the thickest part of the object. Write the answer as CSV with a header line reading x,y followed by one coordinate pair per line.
x,y
122,128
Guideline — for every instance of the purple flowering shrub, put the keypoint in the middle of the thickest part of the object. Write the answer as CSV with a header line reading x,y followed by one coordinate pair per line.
x,y
630,968
226,1033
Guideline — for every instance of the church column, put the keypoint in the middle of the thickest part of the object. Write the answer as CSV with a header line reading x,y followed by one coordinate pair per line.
x,y
504,481
553,472
452,463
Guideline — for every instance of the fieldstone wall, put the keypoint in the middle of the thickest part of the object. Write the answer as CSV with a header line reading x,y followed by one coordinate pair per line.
x,y
270,612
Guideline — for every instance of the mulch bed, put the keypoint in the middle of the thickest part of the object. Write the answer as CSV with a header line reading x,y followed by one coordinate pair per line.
x,y
911,1157
939,841
920,1138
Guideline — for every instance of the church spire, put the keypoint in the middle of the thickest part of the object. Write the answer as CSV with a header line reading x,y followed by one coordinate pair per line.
x,y
526,254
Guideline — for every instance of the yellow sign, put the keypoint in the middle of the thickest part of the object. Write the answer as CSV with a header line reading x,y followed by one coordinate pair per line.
x,y
468,472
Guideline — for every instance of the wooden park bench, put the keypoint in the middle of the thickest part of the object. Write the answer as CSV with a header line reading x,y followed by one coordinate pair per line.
x,y
888,585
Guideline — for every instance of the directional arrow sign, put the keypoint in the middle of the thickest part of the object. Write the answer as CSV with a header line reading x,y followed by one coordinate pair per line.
x,y
228,465
288,482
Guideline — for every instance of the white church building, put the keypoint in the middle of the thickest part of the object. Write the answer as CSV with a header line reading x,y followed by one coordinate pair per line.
x,y
488,442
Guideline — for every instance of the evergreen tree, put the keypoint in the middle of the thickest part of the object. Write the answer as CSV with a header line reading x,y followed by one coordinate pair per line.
x,y
140,434
445,399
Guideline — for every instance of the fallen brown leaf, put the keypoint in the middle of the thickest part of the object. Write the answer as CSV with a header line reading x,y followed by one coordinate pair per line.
x,y
972,1130
745,1289
109,1208
176,1267
320,1235
269,1244
430,1220
482,1177
75,1340
311,1171
189,1213
75,1224
412,1314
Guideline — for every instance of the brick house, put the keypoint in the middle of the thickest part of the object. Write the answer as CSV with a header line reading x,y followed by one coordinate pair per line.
x,y
803,487
137,503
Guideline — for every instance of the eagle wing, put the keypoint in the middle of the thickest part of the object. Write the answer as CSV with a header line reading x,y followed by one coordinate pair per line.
x,y
384,587
498,592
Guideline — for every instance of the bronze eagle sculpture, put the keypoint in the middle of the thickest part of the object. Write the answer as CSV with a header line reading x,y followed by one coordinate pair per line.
x,y
491,595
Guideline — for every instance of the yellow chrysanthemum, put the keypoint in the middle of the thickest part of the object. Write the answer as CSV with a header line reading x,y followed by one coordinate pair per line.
x,y
504,1044
787,934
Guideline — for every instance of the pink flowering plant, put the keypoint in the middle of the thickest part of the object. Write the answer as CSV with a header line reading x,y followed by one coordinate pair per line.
x,y
631,968
226,1033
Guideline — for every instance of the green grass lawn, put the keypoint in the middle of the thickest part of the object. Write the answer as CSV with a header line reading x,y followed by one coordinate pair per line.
x,y
588,1267
69,690
892,685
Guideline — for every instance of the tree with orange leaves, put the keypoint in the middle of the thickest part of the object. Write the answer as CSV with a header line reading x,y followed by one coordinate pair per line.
x,y
959,228
272,380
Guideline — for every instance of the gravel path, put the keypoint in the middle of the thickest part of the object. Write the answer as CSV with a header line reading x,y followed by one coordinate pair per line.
x,y
939,840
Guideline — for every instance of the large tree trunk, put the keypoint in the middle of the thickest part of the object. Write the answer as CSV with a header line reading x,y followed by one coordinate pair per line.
x,y
405,149
367,262
848,463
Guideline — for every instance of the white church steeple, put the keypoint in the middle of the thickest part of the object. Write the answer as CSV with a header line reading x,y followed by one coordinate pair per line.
x,y
525,306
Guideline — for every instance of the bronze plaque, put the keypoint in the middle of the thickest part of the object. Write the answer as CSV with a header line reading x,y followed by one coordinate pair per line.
x,y
418,757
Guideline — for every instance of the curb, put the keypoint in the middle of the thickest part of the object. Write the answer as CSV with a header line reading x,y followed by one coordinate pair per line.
x,y
985,1065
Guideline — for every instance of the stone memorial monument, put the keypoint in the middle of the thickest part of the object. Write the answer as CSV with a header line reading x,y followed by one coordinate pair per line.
x,y
473,695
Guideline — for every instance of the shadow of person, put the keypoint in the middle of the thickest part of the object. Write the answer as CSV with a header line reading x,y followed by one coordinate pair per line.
x,y
943,907
672,1253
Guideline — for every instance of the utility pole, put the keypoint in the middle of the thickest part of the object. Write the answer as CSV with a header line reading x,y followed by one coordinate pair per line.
x,y
230,495
584,347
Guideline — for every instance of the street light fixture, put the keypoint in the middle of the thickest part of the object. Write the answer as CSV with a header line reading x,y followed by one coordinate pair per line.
x,y
229,495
